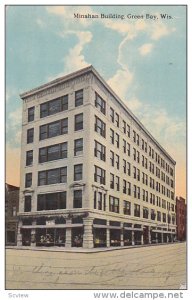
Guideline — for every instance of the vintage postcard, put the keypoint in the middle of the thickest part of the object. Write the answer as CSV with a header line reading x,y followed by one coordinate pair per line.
x,y
96,101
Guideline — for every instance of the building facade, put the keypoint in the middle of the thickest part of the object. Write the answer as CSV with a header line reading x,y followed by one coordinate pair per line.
x,y
91,174
11,210
181,218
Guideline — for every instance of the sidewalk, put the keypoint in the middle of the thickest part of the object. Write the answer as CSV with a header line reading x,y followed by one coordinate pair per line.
x,y
82,250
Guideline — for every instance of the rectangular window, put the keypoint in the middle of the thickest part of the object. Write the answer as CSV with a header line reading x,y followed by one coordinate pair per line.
x,y
145,213
153,214
31,114
117,161
134,136
112,114
124,146
53,152
129,188
136,210
124,126
100,126
78,147
112,181
138,157
79,122
30,135
100,103
54,106
51,201
117,119
138,192
137,139
128,149
112,136
124,186
124,166
159,216
27,204
53,129
113,204
78,98
112,158
99,201
117,183
164,218
28,180
142,144
126,207
117,140
78,172
128,130
128,168
77,199
138,174
99,175
52,176
99,151
146,147
29,158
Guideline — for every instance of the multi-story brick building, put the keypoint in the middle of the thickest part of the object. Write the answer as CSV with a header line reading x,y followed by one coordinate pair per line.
x,y
181,218
11,210
91,174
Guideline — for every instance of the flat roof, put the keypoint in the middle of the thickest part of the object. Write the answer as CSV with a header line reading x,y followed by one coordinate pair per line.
x,y
91,69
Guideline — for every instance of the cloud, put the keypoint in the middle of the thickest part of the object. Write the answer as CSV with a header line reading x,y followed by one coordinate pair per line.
x,y
134,104
145,49
159,30
15,117
40,23
120,82
57,10
75,59
13,124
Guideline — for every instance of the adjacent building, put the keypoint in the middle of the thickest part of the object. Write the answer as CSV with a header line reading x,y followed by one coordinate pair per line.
x,y
181,218
91,173
11,210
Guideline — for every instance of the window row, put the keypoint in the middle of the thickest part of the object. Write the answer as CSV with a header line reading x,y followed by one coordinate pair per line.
x,y
100,127
56,128
100,177
58,200
55,152
53,201
53,176
114,206
114,117
55,106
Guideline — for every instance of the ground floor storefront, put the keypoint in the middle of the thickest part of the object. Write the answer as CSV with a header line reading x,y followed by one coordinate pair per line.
x,y
89,232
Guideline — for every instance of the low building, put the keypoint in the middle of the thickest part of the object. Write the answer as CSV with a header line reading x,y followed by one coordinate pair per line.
x,y
11,209
181,218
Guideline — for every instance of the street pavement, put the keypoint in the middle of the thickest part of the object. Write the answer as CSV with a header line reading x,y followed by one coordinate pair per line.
x,y
152,267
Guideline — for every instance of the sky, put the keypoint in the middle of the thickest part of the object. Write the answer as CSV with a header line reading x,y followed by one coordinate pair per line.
x,y
143,60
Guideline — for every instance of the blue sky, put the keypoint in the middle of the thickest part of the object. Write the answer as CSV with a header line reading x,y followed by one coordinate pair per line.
x,y
144,61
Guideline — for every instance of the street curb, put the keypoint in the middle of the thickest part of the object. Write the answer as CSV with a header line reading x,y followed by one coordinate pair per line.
x,y
89,251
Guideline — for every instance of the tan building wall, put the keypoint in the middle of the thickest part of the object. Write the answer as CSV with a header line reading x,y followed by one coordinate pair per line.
x,y
91,82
